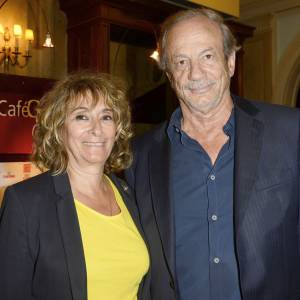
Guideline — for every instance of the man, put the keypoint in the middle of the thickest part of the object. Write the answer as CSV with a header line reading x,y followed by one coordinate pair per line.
x,y
217,185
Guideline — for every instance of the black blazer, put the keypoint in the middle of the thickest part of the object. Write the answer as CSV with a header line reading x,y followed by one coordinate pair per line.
x,y
41,251
266,202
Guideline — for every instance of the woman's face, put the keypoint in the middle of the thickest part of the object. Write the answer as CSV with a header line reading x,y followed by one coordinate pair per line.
x,y
90,134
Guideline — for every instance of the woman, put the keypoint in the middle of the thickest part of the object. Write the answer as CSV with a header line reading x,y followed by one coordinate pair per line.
x,y
73,232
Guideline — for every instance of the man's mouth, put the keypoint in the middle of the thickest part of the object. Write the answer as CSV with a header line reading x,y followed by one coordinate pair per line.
x,y
199,88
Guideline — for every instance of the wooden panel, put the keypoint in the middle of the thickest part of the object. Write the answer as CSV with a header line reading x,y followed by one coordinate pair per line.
x,y
241,32
258,67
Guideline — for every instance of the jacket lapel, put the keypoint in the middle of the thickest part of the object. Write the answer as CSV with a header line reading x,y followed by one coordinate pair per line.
x,y
159,166
71,237
248,144
128,199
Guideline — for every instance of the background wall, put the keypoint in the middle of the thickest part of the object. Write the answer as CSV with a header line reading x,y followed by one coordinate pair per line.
x,y
271,59
272,56
35,14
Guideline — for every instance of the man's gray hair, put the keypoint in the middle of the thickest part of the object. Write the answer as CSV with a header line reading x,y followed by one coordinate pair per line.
x,y
229,42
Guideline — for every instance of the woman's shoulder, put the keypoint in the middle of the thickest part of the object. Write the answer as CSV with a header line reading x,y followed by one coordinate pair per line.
x,y
28,195
36,183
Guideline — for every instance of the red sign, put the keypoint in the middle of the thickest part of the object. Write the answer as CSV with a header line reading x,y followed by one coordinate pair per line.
x,y
18,99
17,118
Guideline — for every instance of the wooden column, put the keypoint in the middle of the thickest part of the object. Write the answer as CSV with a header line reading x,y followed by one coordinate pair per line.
x,y
89,24
241,32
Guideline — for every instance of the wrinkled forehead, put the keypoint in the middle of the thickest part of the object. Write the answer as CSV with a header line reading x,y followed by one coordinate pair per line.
x,y
197,27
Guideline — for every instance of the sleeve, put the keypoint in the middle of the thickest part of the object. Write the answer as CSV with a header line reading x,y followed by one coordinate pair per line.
x,y
129,177
129,174
16,263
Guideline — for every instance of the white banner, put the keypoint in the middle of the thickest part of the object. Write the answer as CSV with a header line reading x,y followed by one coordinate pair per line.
x,y
12,172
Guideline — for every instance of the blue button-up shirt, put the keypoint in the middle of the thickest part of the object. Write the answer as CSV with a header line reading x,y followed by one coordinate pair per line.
x,y
202,193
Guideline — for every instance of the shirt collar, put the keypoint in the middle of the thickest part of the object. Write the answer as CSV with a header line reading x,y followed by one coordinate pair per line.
x,y
228,128
175,123
174,126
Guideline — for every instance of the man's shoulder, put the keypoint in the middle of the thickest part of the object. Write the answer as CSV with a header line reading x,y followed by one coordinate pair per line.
x,y
267,109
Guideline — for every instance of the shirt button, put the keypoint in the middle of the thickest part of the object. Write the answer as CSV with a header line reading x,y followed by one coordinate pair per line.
x,y
177,130
216,260
212,177
214,217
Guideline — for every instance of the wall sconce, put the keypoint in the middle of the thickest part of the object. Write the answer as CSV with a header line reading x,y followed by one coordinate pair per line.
x,y
11,58
155,55
48,41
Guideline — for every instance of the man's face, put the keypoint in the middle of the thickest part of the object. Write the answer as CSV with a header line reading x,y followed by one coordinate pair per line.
x,y
197,68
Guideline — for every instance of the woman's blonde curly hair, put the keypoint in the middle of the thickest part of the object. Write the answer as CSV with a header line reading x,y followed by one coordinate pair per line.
x,y
49,151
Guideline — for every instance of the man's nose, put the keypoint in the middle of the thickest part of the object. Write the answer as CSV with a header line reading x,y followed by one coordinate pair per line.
x,y
196,72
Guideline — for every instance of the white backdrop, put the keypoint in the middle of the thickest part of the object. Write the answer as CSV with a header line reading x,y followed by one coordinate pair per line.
x,y
12,172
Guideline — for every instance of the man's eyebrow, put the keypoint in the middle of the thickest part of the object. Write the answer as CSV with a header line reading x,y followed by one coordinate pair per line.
x,y
185,55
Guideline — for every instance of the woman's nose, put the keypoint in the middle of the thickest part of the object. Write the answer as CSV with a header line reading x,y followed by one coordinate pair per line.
x,y
96,127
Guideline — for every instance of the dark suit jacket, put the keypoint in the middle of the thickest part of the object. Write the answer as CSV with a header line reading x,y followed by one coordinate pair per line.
x,y
41,252
266,202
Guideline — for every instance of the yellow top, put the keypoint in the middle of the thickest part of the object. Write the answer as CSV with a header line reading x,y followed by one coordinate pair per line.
x,y
116,256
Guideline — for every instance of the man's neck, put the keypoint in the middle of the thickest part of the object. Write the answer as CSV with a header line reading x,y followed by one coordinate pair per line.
x,y
207,129
206,122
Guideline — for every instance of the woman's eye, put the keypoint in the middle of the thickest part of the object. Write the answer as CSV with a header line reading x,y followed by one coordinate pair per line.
x,y
81,117
107,118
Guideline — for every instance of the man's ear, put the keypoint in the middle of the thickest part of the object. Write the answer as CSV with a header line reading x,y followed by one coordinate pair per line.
x,y
231,63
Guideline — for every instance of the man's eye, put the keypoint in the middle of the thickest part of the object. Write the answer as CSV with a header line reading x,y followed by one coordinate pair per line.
x,y
208,56
81,117
181,62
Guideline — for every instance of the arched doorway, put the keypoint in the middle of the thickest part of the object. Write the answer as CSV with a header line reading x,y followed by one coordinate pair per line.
x,y
287,82
292,88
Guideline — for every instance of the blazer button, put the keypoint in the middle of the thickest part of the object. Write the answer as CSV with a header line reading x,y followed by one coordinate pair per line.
x,y
172,286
